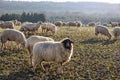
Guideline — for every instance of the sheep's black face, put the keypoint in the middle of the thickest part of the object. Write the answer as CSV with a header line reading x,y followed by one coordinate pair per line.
x,y
67,43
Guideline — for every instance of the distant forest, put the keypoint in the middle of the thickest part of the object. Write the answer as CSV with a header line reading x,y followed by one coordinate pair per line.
x,y
31,17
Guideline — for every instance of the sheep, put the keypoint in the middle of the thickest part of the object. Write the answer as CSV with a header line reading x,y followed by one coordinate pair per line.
x,y
30,27
103,30
116,31
78,23
59,23
93,24
12,35
113,24
71,24
49,51
7,24
46,27
34,39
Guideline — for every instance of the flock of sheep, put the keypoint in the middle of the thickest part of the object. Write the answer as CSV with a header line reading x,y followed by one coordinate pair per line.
x,y
42,48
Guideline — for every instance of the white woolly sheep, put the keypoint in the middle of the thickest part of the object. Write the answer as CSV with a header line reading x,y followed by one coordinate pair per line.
x,y
34,39
12,35
46,27
103,30
7,24
49,51
116,31
30,27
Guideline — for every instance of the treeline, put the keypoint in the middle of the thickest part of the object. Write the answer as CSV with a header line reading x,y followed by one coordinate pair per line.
x,y
85,18
31,17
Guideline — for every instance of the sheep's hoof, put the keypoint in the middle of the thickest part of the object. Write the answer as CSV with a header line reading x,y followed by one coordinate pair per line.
x,y
60,70
33,70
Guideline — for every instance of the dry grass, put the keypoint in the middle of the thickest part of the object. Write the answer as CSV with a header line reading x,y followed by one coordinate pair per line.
x,y
94,58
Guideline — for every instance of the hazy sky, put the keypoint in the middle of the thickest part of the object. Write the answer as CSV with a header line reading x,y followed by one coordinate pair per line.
x,y
109,1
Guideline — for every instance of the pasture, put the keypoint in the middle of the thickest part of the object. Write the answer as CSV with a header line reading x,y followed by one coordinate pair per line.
x,y
94,58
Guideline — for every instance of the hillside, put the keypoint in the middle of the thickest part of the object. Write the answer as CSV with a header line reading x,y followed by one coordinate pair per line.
x,y
85,7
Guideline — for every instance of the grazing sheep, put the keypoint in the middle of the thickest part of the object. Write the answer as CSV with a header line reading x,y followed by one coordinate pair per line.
x,y
34,39
113,24
64,24
7,24
78,24
46,27
59,23
116,31
59,52
71,24
103,30
12,35
30,27
93,24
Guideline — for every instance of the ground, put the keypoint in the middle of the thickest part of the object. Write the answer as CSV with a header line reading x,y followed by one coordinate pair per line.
x,y
94,58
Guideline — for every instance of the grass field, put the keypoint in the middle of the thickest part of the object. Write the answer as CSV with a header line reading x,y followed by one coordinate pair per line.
x,y
94,58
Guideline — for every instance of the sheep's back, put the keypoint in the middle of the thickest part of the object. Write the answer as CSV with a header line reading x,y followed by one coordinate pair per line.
x,y
47,51
116,30
102,29
13,35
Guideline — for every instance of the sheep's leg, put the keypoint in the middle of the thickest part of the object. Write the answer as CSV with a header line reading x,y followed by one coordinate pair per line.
x,y
115,35
60,69
42,66
31,59
2,46
34,64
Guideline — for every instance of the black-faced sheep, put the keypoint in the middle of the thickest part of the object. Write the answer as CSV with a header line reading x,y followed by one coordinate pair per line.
x,y
49,51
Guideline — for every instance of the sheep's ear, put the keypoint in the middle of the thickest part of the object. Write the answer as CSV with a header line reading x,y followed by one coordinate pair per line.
x,y
72,42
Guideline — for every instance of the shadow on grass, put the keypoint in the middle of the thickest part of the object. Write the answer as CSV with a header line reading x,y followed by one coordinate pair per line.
x,y
91,41
26,74
95,40
20,75
107,42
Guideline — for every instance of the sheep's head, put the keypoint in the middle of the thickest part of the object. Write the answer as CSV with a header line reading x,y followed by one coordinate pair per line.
x,y
67,43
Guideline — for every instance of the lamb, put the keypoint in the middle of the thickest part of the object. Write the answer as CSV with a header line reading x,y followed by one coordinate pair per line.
x,y
30,27
12,35
116,31
103,30
59,52
34,39
7,24
46,27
